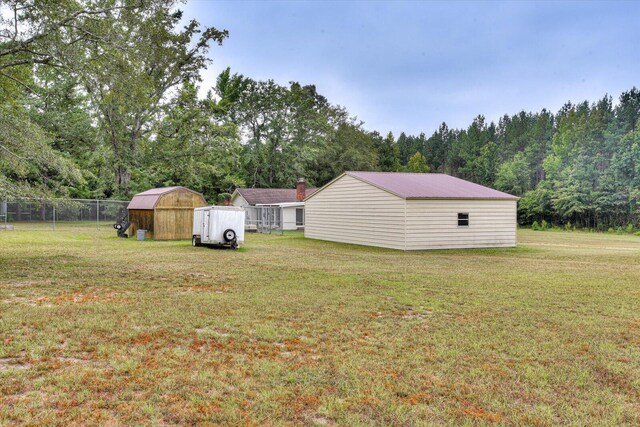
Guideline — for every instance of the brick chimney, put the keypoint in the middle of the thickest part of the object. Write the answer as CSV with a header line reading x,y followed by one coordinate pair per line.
x,y
301,190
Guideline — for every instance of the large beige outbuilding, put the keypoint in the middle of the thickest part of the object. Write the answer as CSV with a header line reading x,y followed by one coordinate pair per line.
x,y
411,211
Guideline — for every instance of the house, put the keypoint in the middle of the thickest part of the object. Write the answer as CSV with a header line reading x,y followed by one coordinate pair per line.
x,y
287,204
411,211
166,213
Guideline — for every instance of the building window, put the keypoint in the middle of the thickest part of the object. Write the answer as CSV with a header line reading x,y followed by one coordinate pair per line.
x,y
463,220
299,217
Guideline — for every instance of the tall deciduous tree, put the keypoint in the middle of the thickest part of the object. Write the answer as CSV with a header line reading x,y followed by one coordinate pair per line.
x,y
130,78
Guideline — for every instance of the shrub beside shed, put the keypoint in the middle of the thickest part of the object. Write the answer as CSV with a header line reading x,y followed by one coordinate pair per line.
x,y
166,213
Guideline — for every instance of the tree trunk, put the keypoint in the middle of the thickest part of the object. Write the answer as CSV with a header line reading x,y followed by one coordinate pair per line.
x,y
123,178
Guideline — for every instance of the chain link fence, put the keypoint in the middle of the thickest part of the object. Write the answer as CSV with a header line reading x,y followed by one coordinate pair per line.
x,y
34,214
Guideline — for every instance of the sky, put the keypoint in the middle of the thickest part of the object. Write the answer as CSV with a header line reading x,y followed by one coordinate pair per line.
x,y
409,66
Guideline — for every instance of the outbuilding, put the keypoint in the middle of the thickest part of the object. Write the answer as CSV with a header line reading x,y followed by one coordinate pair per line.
x,y
166,213
411,211
286,204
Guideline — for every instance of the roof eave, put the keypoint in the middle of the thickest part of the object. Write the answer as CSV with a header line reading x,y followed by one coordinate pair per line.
x,y
463,198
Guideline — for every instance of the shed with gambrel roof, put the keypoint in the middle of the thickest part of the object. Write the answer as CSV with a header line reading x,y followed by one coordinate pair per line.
x,y
166,213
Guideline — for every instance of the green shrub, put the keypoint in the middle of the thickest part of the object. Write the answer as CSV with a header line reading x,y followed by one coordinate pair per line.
x,y
611,230
544,225
637,233
567,226
224,198
535,226
630,228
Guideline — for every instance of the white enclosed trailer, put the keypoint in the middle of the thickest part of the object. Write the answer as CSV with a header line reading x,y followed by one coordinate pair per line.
x,y
218,226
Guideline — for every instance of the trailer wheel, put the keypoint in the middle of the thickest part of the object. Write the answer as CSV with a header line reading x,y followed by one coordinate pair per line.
x,y
195,241
229,235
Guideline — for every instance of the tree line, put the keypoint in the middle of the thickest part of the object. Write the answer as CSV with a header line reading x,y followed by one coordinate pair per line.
x,y
99,99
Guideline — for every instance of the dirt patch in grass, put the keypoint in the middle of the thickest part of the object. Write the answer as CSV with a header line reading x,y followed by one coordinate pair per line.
x,y
25,283
67,298
13,363
473,411
215,288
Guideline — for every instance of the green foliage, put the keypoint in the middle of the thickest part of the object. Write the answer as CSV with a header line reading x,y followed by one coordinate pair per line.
x,y
286,131
193,148
223,198
349,148
388,154
29,166
514,176
418,163
100,99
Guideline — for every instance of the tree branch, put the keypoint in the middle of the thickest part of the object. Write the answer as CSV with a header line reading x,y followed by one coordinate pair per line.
x,y
24,85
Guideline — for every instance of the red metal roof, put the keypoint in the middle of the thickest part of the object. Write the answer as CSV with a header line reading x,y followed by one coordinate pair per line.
x,y
148,199
429,186
271,196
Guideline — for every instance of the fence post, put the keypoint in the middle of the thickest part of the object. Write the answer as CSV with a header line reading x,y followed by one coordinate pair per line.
x,y
5,212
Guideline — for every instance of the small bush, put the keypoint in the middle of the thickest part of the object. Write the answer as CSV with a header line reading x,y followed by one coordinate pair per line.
x,y
535,226
630,228
224,198
544,225
637,233
567,226
611,230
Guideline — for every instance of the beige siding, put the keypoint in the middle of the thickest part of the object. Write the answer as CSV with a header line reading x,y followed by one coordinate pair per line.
x,y
351,211
239,201
433,224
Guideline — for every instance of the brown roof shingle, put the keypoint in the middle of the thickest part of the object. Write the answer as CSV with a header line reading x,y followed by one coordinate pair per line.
x,y
271,196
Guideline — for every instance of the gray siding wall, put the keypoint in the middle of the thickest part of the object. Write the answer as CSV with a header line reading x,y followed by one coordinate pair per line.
x,y
433,224
351,211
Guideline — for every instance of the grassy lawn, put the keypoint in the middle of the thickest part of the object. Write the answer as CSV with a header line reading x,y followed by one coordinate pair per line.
x,y
100,330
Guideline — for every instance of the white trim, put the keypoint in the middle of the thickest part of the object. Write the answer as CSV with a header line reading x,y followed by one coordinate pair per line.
x,y
283,205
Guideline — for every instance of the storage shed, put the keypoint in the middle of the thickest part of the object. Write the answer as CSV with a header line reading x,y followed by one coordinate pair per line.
x,y
166,213
411,211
